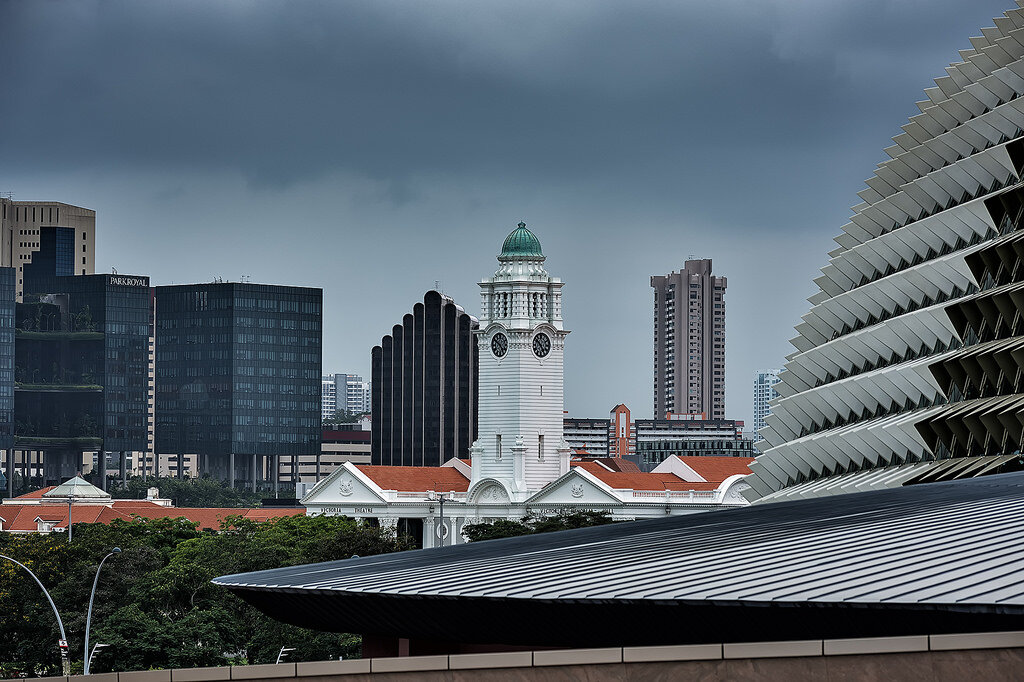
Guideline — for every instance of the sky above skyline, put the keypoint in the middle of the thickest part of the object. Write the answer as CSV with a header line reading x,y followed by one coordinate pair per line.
x,y
373,148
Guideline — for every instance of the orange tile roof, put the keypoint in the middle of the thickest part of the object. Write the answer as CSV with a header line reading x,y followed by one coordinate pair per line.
x,y
619,464
416,479
25,515
718,469
210,518
641,481
13,516
35,494
22,517
264,514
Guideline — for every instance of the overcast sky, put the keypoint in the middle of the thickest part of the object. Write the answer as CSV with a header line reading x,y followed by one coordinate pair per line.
x,y
374,147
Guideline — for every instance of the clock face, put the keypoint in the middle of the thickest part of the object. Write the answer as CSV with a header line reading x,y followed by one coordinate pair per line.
x,y
541,345
499,345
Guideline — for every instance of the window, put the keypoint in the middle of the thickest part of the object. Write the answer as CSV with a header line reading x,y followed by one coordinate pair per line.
x,y
540,447
497,444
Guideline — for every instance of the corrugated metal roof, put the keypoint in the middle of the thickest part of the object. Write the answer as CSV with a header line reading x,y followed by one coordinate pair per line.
x,y
957,543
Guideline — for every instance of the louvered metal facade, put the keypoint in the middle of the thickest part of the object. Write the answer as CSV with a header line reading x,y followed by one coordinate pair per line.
x,y
873,383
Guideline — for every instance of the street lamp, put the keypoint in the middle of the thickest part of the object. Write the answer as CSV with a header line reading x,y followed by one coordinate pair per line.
x,y
95,648
439,497
88,615
63,643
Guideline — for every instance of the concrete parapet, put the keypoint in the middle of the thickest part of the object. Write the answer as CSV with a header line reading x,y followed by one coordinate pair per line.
x,y
577,656
144,676
979,640
504,659
262,672
408,664
810,647
682,652
355,666
875,645
201,674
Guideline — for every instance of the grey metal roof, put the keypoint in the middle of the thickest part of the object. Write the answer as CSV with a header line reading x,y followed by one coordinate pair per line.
x,y
956,546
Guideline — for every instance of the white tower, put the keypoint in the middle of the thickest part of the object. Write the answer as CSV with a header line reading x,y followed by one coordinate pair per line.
x,y
521,340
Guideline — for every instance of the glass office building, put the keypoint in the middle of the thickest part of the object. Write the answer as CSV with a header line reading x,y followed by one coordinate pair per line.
x,y
238,375
7,298
80,365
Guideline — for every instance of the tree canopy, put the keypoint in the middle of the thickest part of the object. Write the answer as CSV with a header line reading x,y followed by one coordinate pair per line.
x,y
187,492
155,606
536,523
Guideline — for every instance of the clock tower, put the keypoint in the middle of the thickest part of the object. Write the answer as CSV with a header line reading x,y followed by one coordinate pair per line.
x,y
520,341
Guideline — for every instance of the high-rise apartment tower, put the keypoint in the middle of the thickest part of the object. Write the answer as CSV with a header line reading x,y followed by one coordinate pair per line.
x,y
689,341
764,393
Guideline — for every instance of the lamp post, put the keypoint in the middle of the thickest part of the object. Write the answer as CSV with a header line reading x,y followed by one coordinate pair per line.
x,y
88,615
63,644
96,647
439,496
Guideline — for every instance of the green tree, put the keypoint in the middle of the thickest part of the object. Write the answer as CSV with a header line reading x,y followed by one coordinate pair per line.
x,y
188,492
536,523
343,417
155,605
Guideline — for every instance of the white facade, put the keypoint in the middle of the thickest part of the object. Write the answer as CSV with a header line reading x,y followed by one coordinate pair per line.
x,y
520,462
328,398
521,343
350,490
764,393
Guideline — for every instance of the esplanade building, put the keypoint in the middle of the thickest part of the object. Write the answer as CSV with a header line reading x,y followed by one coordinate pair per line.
x,y
908,366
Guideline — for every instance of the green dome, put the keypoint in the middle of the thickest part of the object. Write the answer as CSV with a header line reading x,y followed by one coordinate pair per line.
x,y
521,244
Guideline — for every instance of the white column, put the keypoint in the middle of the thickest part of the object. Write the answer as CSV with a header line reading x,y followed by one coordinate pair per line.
x,y
519,463
429,532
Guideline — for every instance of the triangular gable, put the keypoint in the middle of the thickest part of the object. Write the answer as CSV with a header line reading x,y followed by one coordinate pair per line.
x,y
460,466
673,465
346,485
575,487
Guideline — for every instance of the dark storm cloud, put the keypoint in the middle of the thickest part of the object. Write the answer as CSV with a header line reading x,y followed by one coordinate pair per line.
x,y
632,132
287,91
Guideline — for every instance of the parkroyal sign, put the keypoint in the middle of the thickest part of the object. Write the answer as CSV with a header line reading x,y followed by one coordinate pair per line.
x,y
122,281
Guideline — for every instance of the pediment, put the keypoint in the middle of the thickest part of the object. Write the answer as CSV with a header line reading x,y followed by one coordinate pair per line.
x,y
345,486
575,487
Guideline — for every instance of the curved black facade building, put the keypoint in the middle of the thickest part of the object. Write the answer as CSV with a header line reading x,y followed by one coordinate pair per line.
x,y
424,386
